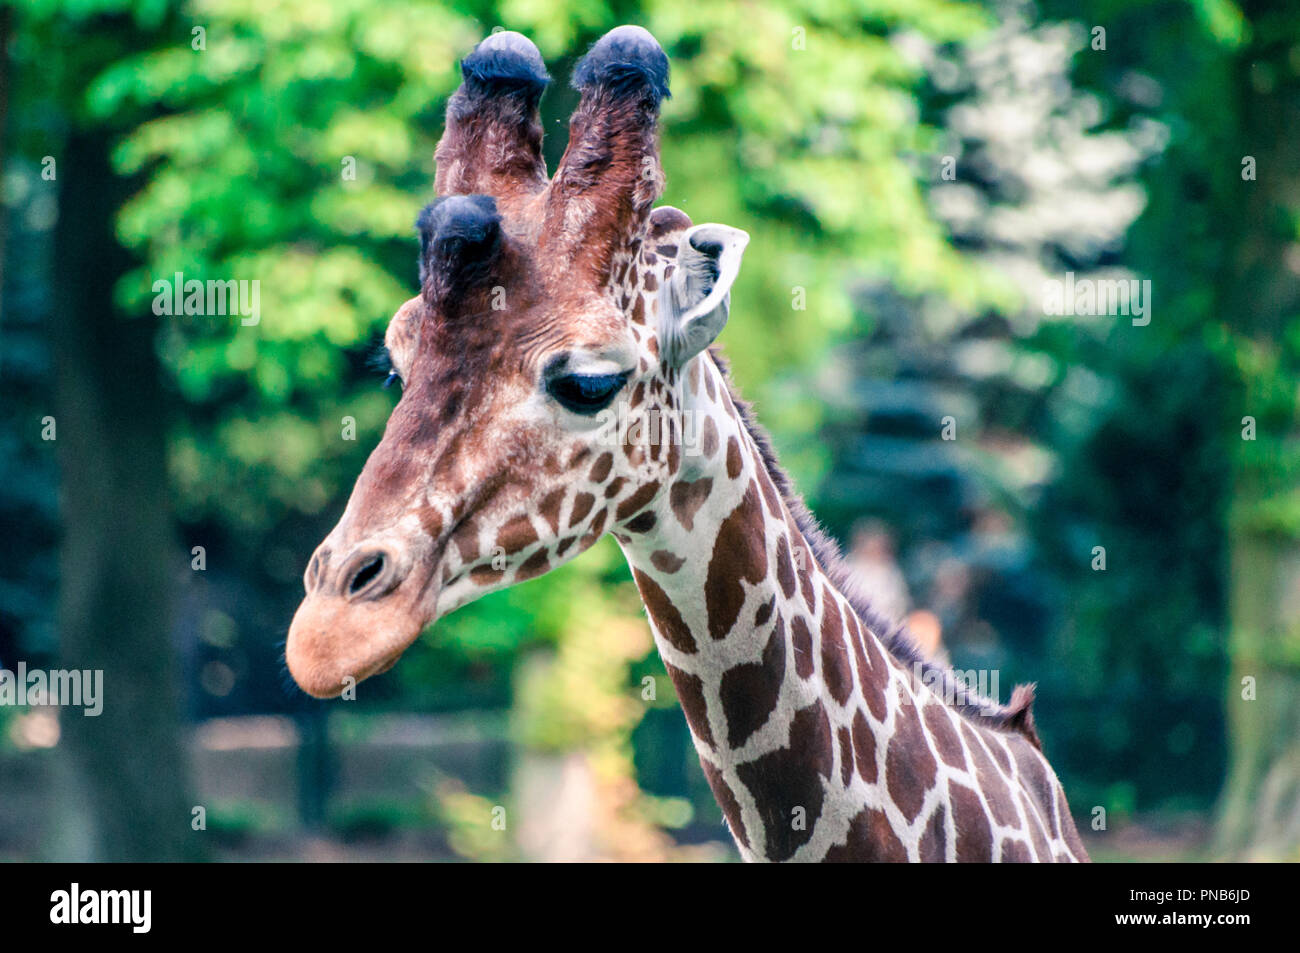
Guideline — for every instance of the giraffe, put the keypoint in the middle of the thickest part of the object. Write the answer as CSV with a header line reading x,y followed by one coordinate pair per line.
x,y
560,381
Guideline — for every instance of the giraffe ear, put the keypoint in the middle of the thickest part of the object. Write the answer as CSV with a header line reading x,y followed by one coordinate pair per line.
x,y
698,296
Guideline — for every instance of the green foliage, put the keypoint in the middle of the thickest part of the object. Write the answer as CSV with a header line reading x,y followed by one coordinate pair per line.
x,y
782,124
294,150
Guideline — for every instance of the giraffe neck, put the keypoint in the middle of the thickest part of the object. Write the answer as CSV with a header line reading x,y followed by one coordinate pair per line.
x,y
817,742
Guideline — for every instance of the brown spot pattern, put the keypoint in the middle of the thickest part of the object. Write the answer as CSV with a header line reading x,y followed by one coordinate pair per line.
x,y
991,782
642,523
876,688
665,561
835,656
974,836
690,692
934,839
784,567
846,755
733,458
739,554
790,778
687,498
803,650
749,692
582,504
864,748
1033,775
550,506
668,621
709,438
871,839
1036,833
944,736
637,501
600,469
910,767
431,521
770,496
1015,852
534,565
727,801
516,534
466,540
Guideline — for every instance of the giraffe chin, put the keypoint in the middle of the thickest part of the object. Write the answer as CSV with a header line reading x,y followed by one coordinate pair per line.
x,y
334,643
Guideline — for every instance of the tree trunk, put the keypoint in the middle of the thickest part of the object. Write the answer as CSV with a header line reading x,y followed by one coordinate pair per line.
x,y
1259,295
6,26
127,786
1260,814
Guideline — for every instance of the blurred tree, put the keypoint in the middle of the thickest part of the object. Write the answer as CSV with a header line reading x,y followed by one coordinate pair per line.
x,y
6,81
1002,441
1217,239
125,795
1257,296
28,507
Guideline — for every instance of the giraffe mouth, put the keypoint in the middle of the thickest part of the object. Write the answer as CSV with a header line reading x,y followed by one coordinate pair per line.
x,y
383,664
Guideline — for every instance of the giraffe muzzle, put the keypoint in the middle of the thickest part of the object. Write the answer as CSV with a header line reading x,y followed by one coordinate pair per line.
x,y
356,620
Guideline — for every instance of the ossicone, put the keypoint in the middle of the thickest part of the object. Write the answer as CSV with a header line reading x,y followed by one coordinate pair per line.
x,y
626,60
460,242
606,183
505,62
492,143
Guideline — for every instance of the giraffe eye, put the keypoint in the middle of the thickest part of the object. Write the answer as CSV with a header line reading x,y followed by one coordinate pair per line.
x,y
586,393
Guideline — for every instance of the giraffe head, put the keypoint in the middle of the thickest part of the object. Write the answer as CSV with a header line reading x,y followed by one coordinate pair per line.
x,y
554,319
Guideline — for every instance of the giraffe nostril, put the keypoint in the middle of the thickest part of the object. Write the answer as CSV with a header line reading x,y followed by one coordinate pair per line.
x,y
316,569
366,573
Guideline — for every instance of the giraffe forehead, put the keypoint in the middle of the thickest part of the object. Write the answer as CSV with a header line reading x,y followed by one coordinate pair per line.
x,y
553,296
471,352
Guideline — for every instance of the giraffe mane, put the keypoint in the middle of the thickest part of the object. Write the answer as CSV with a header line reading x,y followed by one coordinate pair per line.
x,y
1016,716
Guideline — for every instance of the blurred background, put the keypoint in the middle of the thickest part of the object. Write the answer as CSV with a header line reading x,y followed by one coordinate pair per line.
x,y
1116,515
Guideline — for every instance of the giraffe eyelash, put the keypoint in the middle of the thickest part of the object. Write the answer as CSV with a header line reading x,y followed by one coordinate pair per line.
x,y
382,361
